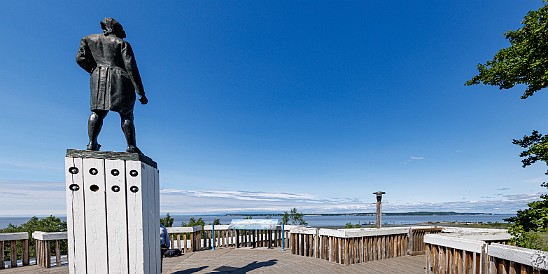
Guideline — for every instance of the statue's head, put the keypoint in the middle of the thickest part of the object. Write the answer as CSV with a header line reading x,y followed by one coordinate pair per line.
x,y
111,26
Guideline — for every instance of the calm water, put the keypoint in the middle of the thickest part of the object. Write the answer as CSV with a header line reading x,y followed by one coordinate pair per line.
x,y
321,221
340,221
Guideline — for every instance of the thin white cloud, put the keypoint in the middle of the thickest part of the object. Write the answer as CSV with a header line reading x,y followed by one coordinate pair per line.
x,y
416,158
27,198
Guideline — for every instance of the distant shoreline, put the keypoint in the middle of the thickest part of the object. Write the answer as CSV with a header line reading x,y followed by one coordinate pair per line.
x,y
331,219
418,213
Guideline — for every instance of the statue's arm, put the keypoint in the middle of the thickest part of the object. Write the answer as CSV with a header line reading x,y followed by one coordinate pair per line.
x,y
84,57
133,71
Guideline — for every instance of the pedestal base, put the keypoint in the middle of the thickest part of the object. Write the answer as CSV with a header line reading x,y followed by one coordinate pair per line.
x,y
113,213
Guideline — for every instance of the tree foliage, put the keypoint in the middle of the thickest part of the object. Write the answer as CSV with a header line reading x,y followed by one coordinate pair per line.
x,y
536,146
193,222
525,61
48,224
527,224
167,221
295,217
350,225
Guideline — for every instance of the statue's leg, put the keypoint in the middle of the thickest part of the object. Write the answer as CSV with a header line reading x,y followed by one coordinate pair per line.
x,y
129,131
95,123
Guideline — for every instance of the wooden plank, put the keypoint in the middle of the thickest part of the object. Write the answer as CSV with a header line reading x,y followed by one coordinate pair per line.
x,y
47,254
516,254
346,254
136,230
441,258
329,244
57,253
38,252
185,244
405,247
238,238
13,253
76,233
95,215
454,242
468,266
428,259
116,216
25,253
474,262
386,246
322,247
156,173
512,268
192,241
147,202
2,265
151,223
327,247
154,219
336,257
492,266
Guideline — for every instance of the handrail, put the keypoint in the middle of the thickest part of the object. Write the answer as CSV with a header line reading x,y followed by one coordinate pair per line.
x,y
12,239
516,259
43,247
479,253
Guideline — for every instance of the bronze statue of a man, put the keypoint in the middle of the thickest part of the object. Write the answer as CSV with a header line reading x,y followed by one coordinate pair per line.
x,y
114,79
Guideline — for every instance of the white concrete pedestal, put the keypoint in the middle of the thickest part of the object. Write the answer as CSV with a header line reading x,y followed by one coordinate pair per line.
x,y
113,213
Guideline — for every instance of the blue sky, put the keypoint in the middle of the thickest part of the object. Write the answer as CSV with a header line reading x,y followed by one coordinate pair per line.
x,y
269,105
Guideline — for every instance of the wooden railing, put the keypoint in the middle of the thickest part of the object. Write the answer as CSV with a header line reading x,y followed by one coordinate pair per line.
x,y
416,238
194,238
8,241
350,246
185,238
461,253
480,254
244,238
446,254
305,242
504,259
45,241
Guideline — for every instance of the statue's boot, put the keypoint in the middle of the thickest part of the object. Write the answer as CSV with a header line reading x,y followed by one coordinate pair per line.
x,y
93,146
129,131
95,123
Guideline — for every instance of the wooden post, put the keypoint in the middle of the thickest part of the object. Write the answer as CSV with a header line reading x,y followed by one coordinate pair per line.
x,y
46,253
2,266
57,253
194,241
25,253
237,238
116,229
13,253
379,211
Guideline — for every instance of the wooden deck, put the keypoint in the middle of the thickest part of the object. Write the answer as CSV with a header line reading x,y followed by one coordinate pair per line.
x,y
262,260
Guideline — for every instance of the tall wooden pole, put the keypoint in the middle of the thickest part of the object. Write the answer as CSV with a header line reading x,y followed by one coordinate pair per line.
x,y
379,210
